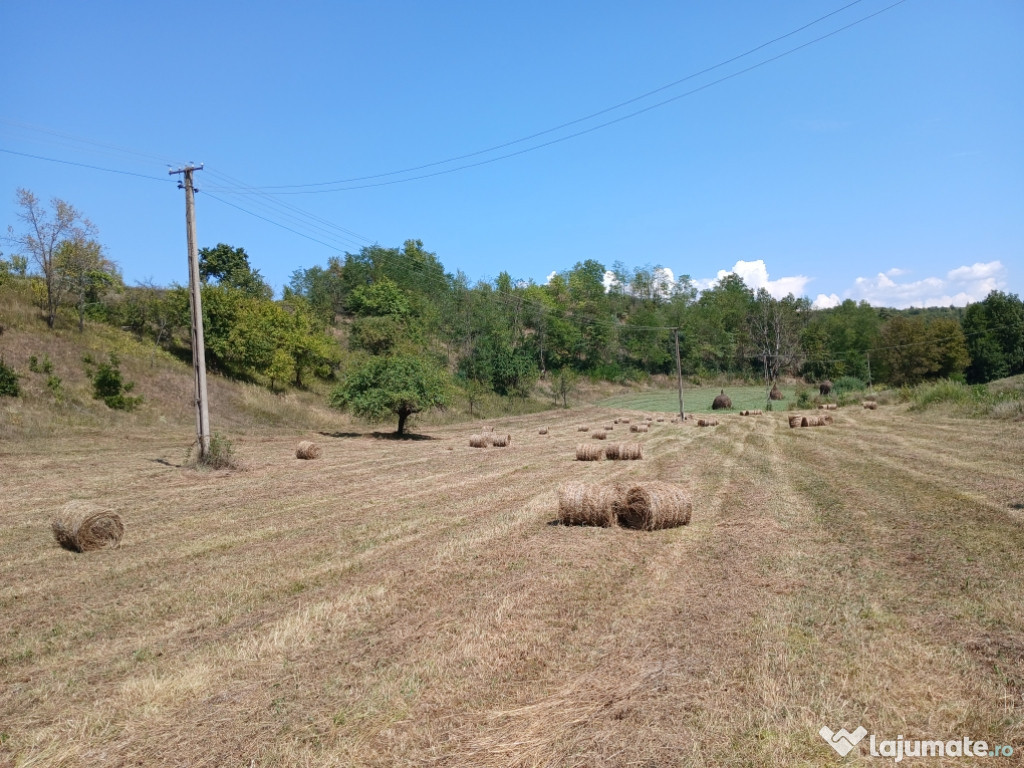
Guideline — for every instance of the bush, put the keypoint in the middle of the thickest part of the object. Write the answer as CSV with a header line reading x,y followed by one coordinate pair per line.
x,y
8,381
220,456
56,387
845,384
109,386
804,398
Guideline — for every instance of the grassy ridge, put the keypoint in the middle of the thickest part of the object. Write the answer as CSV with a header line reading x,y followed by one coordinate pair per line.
x,y
698,400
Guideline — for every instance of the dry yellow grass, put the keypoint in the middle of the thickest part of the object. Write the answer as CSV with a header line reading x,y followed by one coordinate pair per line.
x,y
390,605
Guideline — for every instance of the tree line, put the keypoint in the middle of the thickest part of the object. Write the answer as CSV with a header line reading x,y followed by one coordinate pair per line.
x,y
394,319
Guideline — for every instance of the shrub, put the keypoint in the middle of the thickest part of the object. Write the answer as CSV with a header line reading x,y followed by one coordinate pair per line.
x,y
220,456
804,398
56,387
845,384
8,381
109,386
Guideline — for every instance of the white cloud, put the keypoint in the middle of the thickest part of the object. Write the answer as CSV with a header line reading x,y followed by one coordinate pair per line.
x,y
553,273
960,286
896,272
826,302
755,275
609,280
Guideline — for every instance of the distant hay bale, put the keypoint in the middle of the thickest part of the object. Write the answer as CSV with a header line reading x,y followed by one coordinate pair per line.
x,y
722,401
542,431
487,428
307,450
624,421
599,434
596,504
501,441
624,451
775,394
609,428
707,422
648,418
582,428
794,421
870,405
825,387
655,505
639,428
83,527
589,452
659,419
479,441
827,407
757,412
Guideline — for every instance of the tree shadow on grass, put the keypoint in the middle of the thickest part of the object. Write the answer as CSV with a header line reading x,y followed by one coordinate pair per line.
x,y
340,434
406,436
166,463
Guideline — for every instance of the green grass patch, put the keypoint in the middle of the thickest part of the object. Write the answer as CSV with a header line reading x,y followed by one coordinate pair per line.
x,y
698,400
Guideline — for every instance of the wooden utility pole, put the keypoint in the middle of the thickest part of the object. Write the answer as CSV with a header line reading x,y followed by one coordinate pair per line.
x,y
196,305
679,374
868,354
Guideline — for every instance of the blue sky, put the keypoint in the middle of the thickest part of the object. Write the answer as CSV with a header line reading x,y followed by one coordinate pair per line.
x,y
884,162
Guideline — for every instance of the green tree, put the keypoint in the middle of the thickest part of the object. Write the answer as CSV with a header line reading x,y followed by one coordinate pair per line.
x,y
43,236
229,267
994,330
86,273
398,385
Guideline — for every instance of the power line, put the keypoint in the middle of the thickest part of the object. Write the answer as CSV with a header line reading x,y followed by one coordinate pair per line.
x,y
83,165
296,191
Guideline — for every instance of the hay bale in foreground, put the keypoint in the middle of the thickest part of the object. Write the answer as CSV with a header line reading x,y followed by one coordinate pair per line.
x,y
707,422
794,421
599,434
624,451
542,431
587,452
307,450
479,441
582,428
501,441
811,421
582,504
84,527
639,428
655,505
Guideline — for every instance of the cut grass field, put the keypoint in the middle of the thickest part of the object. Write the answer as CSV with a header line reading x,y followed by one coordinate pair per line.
x,y
699,399
410,603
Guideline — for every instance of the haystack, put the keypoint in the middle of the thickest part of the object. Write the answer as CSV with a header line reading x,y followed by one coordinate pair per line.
x,y
307,450
588,452
479,441
639,428
598,434
624,451
775,394
501,441
722,401
582,504
825,387
83,527
654,505
707,422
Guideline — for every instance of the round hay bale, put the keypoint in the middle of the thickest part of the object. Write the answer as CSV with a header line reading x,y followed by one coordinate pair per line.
x,y
608,428
501,441
794,421
655,505
722,401
479,441
648,418
825,420
659,419
589,452
639,428
758,412
707,422
617,421
599,434
597,504
776,393
825,387
870,405
83,527
582,428
542,431
624,451
307,450
624,421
